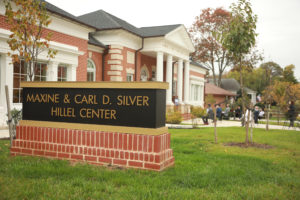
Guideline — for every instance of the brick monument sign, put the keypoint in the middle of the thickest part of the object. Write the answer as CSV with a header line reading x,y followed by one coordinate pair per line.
x,y
105,123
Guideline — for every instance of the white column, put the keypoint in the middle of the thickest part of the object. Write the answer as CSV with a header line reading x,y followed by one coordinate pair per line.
x,y
179,80
186,81
52,71
160,66
71,73
169,79
6,78
9,77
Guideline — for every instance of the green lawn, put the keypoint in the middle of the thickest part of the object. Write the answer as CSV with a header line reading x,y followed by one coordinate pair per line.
x,y
203,170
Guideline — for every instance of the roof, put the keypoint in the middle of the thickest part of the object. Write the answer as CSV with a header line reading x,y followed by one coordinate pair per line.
x,y
106,21
155,31
230,84
215,90
233,85
52,8
198,64
95,42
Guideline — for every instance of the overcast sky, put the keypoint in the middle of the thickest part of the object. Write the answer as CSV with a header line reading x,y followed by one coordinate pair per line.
x,y
278,20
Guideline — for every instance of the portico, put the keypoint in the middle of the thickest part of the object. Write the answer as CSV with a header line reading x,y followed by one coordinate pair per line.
x,y
172,61
182,74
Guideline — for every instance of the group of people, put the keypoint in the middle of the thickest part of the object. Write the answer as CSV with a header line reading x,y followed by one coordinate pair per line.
x,y
219,113
256,114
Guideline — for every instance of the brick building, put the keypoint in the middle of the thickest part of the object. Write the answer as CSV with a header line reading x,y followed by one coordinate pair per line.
x,y
101,47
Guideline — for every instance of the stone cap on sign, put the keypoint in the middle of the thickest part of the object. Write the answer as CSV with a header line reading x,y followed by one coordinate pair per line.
x,y
96,127
105,84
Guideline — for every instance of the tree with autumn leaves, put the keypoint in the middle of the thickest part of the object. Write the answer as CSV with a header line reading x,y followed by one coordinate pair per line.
x,y
28,20
282,92
206,32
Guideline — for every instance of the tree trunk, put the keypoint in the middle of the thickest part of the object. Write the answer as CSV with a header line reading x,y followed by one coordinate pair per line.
x,y
9,116
251,129
243,101
268,117
215,126
220,78
278,115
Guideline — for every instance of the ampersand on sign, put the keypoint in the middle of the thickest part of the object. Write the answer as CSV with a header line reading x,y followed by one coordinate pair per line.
x,y
66,99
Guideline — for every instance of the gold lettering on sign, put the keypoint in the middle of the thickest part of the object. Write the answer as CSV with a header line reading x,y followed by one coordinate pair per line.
x,y
43,98
62,112
105,99
97,113
87,99
132,100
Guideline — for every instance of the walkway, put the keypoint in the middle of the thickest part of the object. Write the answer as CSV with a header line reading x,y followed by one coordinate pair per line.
x,y
227,123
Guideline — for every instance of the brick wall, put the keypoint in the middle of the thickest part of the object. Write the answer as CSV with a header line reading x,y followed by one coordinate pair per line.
x,y
64,39
97,59
150,152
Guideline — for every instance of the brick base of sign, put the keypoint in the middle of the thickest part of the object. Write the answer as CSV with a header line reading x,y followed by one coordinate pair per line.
x,y
151,152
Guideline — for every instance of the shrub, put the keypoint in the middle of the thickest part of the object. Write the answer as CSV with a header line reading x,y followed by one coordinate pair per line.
x,y
197,112
173,117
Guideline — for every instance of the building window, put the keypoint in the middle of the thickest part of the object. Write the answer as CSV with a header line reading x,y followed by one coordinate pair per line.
x,y
195,94
40,72
21,74
129,77
62,73
91,70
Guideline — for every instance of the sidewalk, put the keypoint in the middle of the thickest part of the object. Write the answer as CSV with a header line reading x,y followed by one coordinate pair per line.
x,y
227,123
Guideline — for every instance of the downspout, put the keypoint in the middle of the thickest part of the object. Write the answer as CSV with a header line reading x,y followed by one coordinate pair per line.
x,y
135,64
105,52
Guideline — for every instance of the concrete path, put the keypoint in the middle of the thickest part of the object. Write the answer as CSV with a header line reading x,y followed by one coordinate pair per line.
x,y
227,123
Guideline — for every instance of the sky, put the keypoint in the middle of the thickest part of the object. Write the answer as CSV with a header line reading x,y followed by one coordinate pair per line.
x,y
278,25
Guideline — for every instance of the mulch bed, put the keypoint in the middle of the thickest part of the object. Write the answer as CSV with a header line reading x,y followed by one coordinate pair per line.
x,y
244,145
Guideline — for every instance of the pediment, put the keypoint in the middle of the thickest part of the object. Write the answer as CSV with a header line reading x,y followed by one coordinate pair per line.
x,y
180,37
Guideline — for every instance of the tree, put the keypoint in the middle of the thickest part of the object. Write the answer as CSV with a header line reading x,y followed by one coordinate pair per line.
x,y
272,71
282,92
239,38
288,74
205,31
28,38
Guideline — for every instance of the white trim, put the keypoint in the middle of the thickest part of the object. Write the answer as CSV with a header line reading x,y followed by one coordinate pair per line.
x,y
93,70
119,38
180,37
95,48
197,69
117,73
196,78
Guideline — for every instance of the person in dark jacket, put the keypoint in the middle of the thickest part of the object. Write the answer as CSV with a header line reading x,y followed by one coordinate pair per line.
x,y
238,112
291,113
219,112
255,115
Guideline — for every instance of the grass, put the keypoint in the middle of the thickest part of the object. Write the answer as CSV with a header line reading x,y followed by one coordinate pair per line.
x,y
203,170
